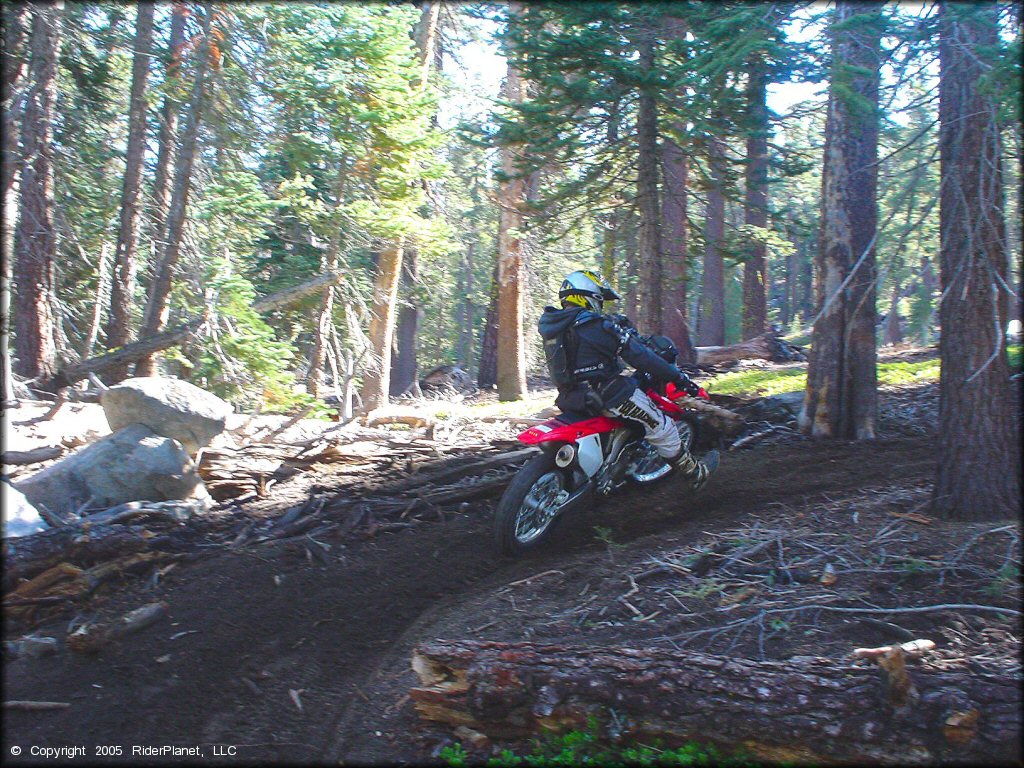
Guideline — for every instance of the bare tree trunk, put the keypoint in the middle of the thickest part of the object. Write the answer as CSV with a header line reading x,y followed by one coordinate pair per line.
x,y
755,268
893,331
168,131
377,375
789,287
467,347
406,363
13,60
712,311
978,473
325,320
122,293
36,240
674,317
157,307
632,296
102,292
511,363
652,276
487,376
806,282
841,396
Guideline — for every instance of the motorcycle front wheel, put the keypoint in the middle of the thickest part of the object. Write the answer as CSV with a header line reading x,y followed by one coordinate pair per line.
x,y
531,505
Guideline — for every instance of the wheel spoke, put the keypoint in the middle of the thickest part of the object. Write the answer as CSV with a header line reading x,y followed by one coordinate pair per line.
x,y
540,507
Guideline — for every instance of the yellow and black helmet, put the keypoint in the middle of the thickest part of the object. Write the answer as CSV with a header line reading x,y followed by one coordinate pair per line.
x,y
586,289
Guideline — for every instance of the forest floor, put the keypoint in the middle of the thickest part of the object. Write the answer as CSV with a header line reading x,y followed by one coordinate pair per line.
x,y
285,657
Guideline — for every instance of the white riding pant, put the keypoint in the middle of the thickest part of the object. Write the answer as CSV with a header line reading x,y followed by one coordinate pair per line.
x,y
659,430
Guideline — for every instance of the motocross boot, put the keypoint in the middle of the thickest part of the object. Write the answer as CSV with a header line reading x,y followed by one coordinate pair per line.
x,y
695,469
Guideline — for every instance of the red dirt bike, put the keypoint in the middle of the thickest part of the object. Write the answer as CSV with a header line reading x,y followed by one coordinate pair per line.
x,y
582,456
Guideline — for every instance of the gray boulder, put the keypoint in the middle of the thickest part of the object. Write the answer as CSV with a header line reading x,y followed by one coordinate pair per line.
x,y
170,407
133,464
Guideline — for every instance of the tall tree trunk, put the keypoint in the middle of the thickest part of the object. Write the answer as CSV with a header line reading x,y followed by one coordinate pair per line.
x,y
893,331
631,246
325,319
674,317
122,289
841,395
676,169
406,364
377,379
511,361
929,284
168,132
467,346
712,310
790,283
36,239
652,276
13,58
978,474
487,377
806,282
755,274
377,376
611,224
103,281
157,307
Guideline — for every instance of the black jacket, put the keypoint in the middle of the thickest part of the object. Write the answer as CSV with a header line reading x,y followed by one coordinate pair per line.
x,y
596,347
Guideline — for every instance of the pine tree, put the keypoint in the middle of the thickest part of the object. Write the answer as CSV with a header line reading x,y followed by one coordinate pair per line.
x,y
122,295
36,238
978,474
841,395
13,59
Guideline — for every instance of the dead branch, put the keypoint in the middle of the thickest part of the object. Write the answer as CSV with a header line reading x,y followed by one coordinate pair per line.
x,y
290,423
36,706
34,456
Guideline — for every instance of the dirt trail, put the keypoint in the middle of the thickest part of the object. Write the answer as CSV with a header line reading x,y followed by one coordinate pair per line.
x,y
253,634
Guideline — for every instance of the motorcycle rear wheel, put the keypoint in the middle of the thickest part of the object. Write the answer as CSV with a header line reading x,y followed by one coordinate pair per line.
x,y
531,506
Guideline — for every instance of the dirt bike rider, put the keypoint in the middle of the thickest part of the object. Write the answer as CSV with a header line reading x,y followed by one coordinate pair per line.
x,y
583,348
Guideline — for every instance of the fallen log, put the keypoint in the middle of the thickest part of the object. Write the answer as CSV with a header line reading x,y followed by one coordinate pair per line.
x,y
801,709
26,556
34,456
767,346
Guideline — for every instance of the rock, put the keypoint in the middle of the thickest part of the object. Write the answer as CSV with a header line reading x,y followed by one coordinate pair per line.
x,y
133,464
170,407
447,377
777,409
20,517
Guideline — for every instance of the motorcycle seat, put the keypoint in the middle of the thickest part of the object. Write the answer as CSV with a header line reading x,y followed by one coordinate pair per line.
x,y
571,417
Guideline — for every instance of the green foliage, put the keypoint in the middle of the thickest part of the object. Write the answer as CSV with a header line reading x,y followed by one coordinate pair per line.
x,y
775,381
591,746
241,358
